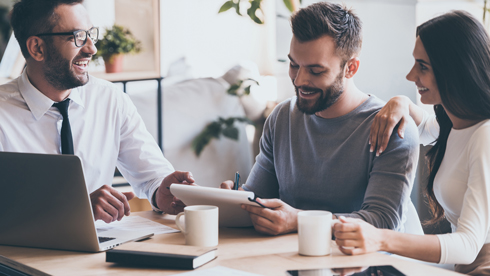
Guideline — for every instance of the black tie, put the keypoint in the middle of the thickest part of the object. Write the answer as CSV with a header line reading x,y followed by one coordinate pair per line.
x,y
66,139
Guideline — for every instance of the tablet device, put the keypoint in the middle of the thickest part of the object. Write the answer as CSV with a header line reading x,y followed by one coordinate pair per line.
x,y
228,201
384,270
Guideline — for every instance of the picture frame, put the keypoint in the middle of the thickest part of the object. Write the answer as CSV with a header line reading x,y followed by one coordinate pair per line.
x,y
142,18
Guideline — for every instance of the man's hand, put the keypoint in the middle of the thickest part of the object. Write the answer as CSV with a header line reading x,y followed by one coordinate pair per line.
x,y
108,204
358,236
279,219
228,185
165,200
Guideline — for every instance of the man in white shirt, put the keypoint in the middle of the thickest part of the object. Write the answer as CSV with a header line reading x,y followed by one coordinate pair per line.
x,y
101,125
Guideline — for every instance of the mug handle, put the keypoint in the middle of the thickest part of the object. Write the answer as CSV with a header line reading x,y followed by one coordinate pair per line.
x,y
177,222
334,221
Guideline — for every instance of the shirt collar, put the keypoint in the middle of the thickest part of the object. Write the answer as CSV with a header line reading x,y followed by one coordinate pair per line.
x,y
37,102
75,95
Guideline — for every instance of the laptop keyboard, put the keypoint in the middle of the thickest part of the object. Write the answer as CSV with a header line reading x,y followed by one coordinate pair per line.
x,y
104,239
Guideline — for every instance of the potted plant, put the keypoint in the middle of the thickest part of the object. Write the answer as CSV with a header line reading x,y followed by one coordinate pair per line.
x,y
116,42
224,126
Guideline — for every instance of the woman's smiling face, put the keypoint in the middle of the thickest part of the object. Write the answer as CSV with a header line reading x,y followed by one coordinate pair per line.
x,y
422,74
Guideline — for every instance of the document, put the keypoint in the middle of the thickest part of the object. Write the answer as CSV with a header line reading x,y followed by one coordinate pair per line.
x,y
133,223
228,201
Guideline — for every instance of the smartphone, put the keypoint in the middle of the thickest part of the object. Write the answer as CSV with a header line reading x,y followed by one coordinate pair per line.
x,y
384,270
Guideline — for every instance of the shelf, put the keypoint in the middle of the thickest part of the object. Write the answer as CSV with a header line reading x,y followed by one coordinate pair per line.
x,y
126,76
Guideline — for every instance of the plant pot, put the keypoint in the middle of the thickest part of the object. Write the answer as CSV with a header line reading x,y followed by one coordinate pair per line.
x,y
114,64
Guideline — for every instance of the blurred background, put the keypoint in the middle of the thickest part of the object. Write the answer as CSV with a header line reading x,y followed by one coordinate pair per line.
x,y
197,65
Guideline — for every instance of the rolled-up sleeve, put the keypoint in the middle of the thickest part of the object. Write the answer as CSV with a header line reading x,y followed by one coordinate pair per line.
x,y
140,160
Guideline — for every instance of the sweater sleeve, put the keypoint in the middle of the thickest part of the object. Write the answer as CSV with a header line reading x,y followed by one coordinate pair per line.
x,y
465,243
390,182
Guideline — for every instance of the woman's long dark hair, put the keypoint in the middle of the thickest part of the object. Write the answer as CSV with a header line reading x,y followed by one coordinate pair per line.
x,y
459,51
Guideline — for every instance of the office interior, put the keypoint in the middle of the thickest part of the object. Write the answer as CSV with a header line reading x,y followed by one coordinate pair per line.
x,y
188,40
191,55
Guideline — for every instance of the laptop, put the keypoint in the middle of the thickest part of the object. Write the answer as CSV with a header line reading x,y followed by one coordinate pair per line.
x,y
44,203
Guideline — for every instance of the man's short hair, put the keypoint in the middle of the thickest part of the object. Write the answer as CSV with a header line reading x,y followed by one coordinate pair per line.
x,y
31,17
330,19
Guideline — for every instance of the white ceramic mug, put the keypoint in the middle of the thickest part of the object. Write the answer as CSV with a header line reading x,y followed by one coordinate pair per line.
x,y
315,232
201,225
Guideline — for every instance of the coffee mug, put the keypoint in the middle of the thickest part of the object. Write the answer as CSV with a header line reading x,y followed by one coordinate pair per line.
x,y
315,232
201,225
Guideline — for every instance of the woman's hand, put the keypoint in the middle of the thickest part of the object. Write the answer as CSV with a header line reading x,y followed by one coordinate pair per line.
x,y
355,236
396,110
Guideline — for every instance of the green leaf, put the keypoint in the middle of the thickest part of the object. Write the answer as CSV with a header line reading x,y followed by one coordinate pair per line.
x,y
289,5
247,90
214,129
229,122
200,142
255,5
231,132
237,8
233,90
226,6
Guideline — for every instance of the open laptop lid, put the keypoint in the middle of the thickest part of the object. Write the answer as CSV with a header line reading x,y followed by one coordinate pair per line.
x,y
45,203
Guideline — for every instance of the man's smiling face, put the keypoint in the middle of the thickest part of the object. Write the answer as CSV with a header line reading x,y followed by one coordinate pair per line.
x,y
65,64
315,69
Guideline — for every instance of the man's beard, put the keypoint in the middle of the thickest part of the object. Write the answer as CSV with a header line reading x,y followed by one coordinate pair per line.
x,y
59,73
328,97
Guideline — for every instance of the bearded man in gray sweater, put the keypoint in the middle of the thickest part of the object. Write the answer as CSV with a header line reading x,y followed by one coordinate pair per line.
x,y
314,151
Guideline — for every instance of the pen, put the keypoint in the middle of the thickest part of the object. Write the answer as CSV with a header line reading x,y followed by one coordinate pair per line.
x,y
260,204
237,180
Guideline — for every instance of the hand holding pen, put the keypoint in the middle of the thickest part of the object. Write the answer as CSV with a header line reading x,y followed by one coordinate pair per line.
x,y
227,185
236,184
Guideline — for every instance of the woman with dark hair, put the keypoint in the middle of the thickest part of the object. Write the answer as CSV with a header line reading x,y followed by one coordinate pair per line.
x,y
451,72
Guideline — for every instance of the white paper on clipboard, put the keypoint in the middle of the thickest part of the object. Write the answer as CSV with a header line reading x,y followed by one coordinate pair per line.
x,y
228,202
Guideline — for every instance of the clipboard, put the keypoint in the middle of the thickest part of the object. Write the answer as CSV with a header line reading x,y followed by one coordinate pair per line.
x,y
228,202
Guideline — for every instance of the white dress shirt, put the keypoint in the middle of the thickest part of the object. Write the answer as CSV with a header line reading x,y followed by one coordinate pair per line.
x,y
462,187
107,132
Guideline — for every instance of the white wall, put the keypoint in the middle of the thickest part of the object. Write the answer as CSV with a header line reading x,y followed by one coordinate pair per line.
x,y
212,42
427,9
102,13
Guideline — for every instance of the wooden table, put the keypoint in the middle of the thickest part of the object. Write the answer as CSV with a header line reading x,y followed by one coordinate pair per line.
x,y
239,248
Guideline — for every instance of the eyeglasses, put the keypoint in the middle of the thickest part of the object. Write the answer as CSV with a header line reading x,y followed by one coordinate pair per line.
x,y
80,36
